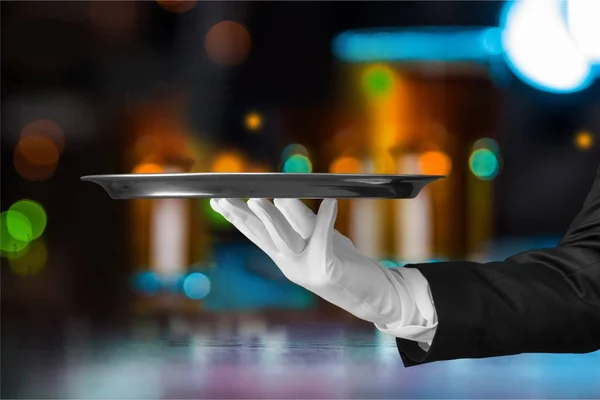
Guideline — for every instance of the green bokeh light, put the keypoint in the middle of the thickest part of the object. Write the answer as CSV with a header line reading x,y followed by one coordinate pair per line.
x,y
297,164
34,212
10,246
215,219
293,149
378,81
484,164
32,262
18,226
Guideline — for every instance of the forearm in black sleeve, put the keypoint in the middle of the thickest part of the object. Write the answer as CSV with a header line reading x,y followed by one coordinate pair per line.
x,y
540,301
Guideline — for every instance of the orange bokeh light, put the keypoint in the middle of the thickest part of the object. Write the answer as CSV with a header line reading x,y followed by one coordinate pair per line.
x,y
584,140
38,150
32,172
383,163
227,43
435,163
177,6
47,129
147,168
228,162
346,165
253,121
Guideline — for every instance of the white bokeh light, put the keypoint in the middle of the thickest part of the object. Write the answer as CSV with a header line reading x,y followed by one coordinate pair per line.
x,y
583,22
540,50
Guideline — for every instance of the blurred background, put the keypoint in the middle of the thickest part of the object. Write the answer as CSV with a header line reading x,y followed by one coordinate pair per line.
x,y
164,298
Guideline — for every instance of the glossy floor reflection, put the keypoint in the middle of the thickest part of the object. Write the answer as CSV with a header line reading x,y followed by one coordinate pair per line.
x,y
256,359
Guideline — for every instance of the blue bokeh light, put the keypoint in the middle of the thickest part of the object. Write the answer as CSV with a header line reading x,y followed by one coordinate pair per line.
x,y
422,44
147,283
196,286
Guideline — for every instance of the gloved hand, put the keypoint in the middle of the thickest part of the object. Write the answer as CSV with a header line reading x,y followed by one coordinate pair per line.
x,y
312,254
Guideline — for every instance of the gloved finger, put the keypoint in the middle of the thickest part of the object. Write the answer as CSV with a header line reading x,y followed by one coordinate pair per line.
x,y
324,227
283,235
303,219
246,222
300,217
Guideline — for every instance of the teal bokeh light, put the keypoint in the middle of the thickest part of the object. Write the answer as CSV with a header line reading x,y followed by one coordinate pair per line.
x,y
478,44
487,143
147,283
292,150
484,164
196,286
297,164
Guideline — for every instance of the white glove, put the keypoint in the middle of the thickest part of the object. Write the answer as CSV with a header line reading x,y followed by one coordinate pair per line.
x,y
312,254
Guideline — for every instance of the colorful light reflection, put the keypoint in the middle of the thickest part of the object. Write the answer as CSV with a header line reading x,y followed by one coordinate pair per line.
x,y
196,286
484,164
297,164
227,43
35,217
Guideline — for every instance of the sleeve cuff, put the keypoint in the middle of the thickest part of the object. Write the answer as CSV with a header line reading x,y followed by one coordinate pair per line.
x,y
423,323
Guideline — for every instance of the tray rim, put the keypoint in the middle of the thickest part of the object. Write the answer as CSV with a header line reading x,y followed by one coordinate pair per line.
x,y
201,174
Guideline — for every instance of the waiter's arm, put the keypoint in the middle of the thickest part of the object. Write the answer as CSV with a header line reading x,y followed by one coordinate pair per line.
x,y
541,301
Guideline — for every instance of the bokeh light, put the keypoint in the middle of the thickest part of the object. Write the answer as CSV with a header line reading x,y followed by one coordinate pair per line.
x,y
35,217
196,286
10,246
378,80
346,165
584,140
146,283
214,219
227,43
426,43
435,163
38,150
487,143
293,149
32,262
177,6
228,162
484,164
253,121
297,164
46,129
528,27
582,22
18,226
32,172
147,168
384,163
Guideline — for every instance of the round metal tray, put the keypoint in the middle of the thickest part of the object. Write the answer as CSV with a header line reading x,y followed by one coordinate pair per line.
x,y
262,185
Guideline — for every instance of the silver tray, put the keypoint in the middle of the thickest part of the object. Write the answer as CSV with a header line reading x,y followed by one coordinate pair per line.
x,y
262,185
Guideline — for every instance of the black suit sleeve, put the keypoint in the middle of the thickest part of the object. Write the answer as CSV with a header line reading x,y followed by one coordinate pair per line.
x,y
540,301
